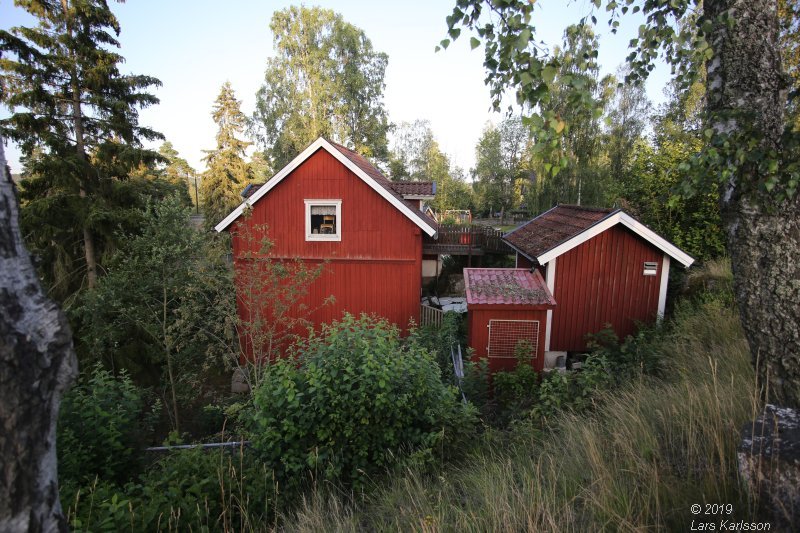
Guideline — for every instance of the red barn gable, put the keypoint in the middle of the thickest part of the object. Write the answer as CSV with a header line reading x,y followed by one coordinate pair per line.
x,y
331,205
602,266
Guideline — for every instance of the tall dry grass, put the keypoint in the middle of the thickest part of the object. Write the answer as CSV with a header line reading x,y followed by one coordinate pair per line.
x,y
638,462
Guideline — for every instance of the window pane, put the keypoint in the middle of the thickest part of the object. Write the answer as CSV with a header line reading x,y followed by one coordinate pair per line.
x,y
323,219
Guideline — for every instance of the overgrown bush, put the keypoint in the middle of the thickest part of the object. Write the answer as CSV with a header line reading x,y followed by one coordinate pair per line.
x,y
440,340
102,427
202,490
352,402
515,390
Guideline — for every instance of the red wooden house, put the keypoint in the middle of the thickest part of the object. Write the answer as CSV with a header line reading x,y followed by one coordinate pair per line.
x,y
330,204
601,265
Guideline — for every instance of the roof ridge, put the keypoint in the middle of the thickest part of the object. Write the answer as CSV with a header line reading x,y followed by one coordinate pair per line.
x,y
587,208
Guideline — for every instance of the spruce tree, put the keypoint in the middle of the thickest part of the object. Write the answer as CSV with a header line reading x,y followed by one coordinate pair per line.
x,y
75,117
227,172
177,171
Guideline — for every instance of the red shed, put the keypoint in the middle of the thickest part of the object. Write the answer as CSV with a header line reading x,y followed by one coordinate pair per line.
x,y
603,267
506,306
330,204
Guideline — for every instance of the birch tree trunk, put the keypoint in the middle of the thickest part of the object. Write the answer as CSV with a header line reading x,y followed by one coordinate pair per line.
x,y
37,364
747,89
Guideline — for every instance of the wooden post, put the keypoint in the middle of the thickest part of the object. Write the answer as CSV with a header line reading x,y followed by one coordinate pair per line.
x,y
469,248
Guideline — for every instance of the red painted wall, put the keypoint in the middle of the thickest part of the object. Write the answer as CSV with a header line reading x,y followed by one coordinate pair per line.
x,y
523,262
375,268
601,282
478,331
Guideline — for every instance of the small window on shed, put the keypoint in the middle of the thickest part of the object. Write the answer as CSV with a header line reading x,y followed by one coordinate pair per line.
x,y
650,268
323,220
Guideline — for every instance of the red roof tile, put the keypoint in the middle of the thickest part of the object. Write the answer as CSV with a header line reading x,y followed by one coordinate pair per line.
x,y
506,286
361,162
553,227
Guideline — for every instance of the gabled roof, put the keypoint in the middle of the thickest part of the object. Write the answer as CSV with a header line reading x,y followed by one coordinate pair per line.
x,y
564,227
355,163
506,286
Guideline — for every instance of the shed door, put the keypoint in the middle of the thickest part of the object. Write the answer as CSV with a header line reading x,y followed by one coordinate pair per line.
x,y
505,335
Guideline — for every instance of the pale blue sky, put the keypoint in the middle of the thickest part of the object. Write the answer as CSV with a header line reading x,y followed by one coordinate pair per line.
x,y
195,46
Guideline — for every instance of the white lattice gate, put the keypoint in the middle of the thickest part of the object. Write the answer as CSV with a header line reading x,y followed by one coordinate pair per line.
x,y
505,335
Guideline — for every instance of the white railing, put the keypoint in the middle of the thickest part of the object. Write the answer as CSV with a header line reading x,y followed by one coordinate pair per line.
x,y
430,316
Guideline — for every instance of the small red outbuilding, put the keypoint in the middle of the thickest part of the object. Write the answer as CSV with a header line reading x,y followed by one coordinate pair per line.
x,y
506,306
603,266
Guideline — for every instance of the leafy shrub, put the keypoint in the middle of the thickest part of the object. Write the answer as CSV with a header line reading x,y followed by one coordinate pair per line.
x,y
629,357
440,340
476,379
515,390
102,426
206,490
351,403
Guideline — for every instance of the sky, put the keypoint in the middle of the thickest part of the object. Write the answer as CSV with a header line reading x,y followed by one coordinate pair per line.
x,y
193,47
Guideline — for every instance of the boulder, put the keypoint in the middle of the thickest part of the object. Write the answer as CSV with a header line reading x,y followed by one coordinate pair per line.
x,y
769,463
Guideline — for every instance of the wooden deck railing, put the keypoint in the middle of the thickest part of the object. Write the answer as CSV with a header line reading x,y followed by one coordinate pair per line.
x,y
481,239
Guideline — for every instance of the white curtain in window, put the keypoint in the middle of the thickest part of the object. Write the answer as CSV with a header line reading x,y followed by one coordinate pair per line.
x,y
323,209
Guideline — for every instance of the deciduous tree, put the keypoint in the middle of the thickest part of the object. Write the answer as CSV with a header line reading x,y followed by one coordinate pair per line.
x,y
163,307
499,162
325,80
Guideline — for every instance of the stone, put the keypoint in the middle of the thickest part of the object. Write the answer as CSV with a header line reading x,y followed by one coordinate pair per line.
x,y
769,463
239,382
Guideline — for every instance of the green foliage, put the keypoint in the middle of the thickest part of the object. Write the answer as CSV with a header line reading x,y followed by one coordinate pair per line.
x,y
75,117
103,425
182,491
350,404
325,80
515,390
439,341
177,171
569,145
500,163
164,309
227,172
416,156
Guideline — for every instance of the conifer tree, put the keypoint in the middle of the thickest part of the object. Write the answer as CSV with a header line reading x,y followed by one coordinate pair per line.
x,y
227,170
177,171
75,117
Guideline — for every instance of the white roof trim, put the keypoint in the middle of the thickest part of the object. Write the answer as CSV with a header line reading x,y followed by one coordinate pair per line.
x,y
418,196
305,154
629,222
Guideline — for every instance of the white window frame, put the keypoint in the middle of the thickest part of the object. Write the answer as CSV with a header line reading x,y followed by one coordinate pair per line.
x,y
321,236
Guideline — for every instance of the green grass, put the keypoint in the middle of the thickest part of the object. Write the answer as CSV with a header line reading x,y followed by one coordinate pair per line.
x,y
638,462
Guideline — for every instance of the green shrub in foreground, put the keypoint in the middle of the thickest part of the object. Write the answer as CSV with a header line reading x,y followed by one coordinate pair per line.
x,y
185,490
102,427
351,403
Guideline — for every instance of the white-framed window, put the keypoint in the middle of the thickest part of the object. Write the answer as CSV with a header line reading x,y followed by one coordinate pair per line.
x,y
323,220
650,268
